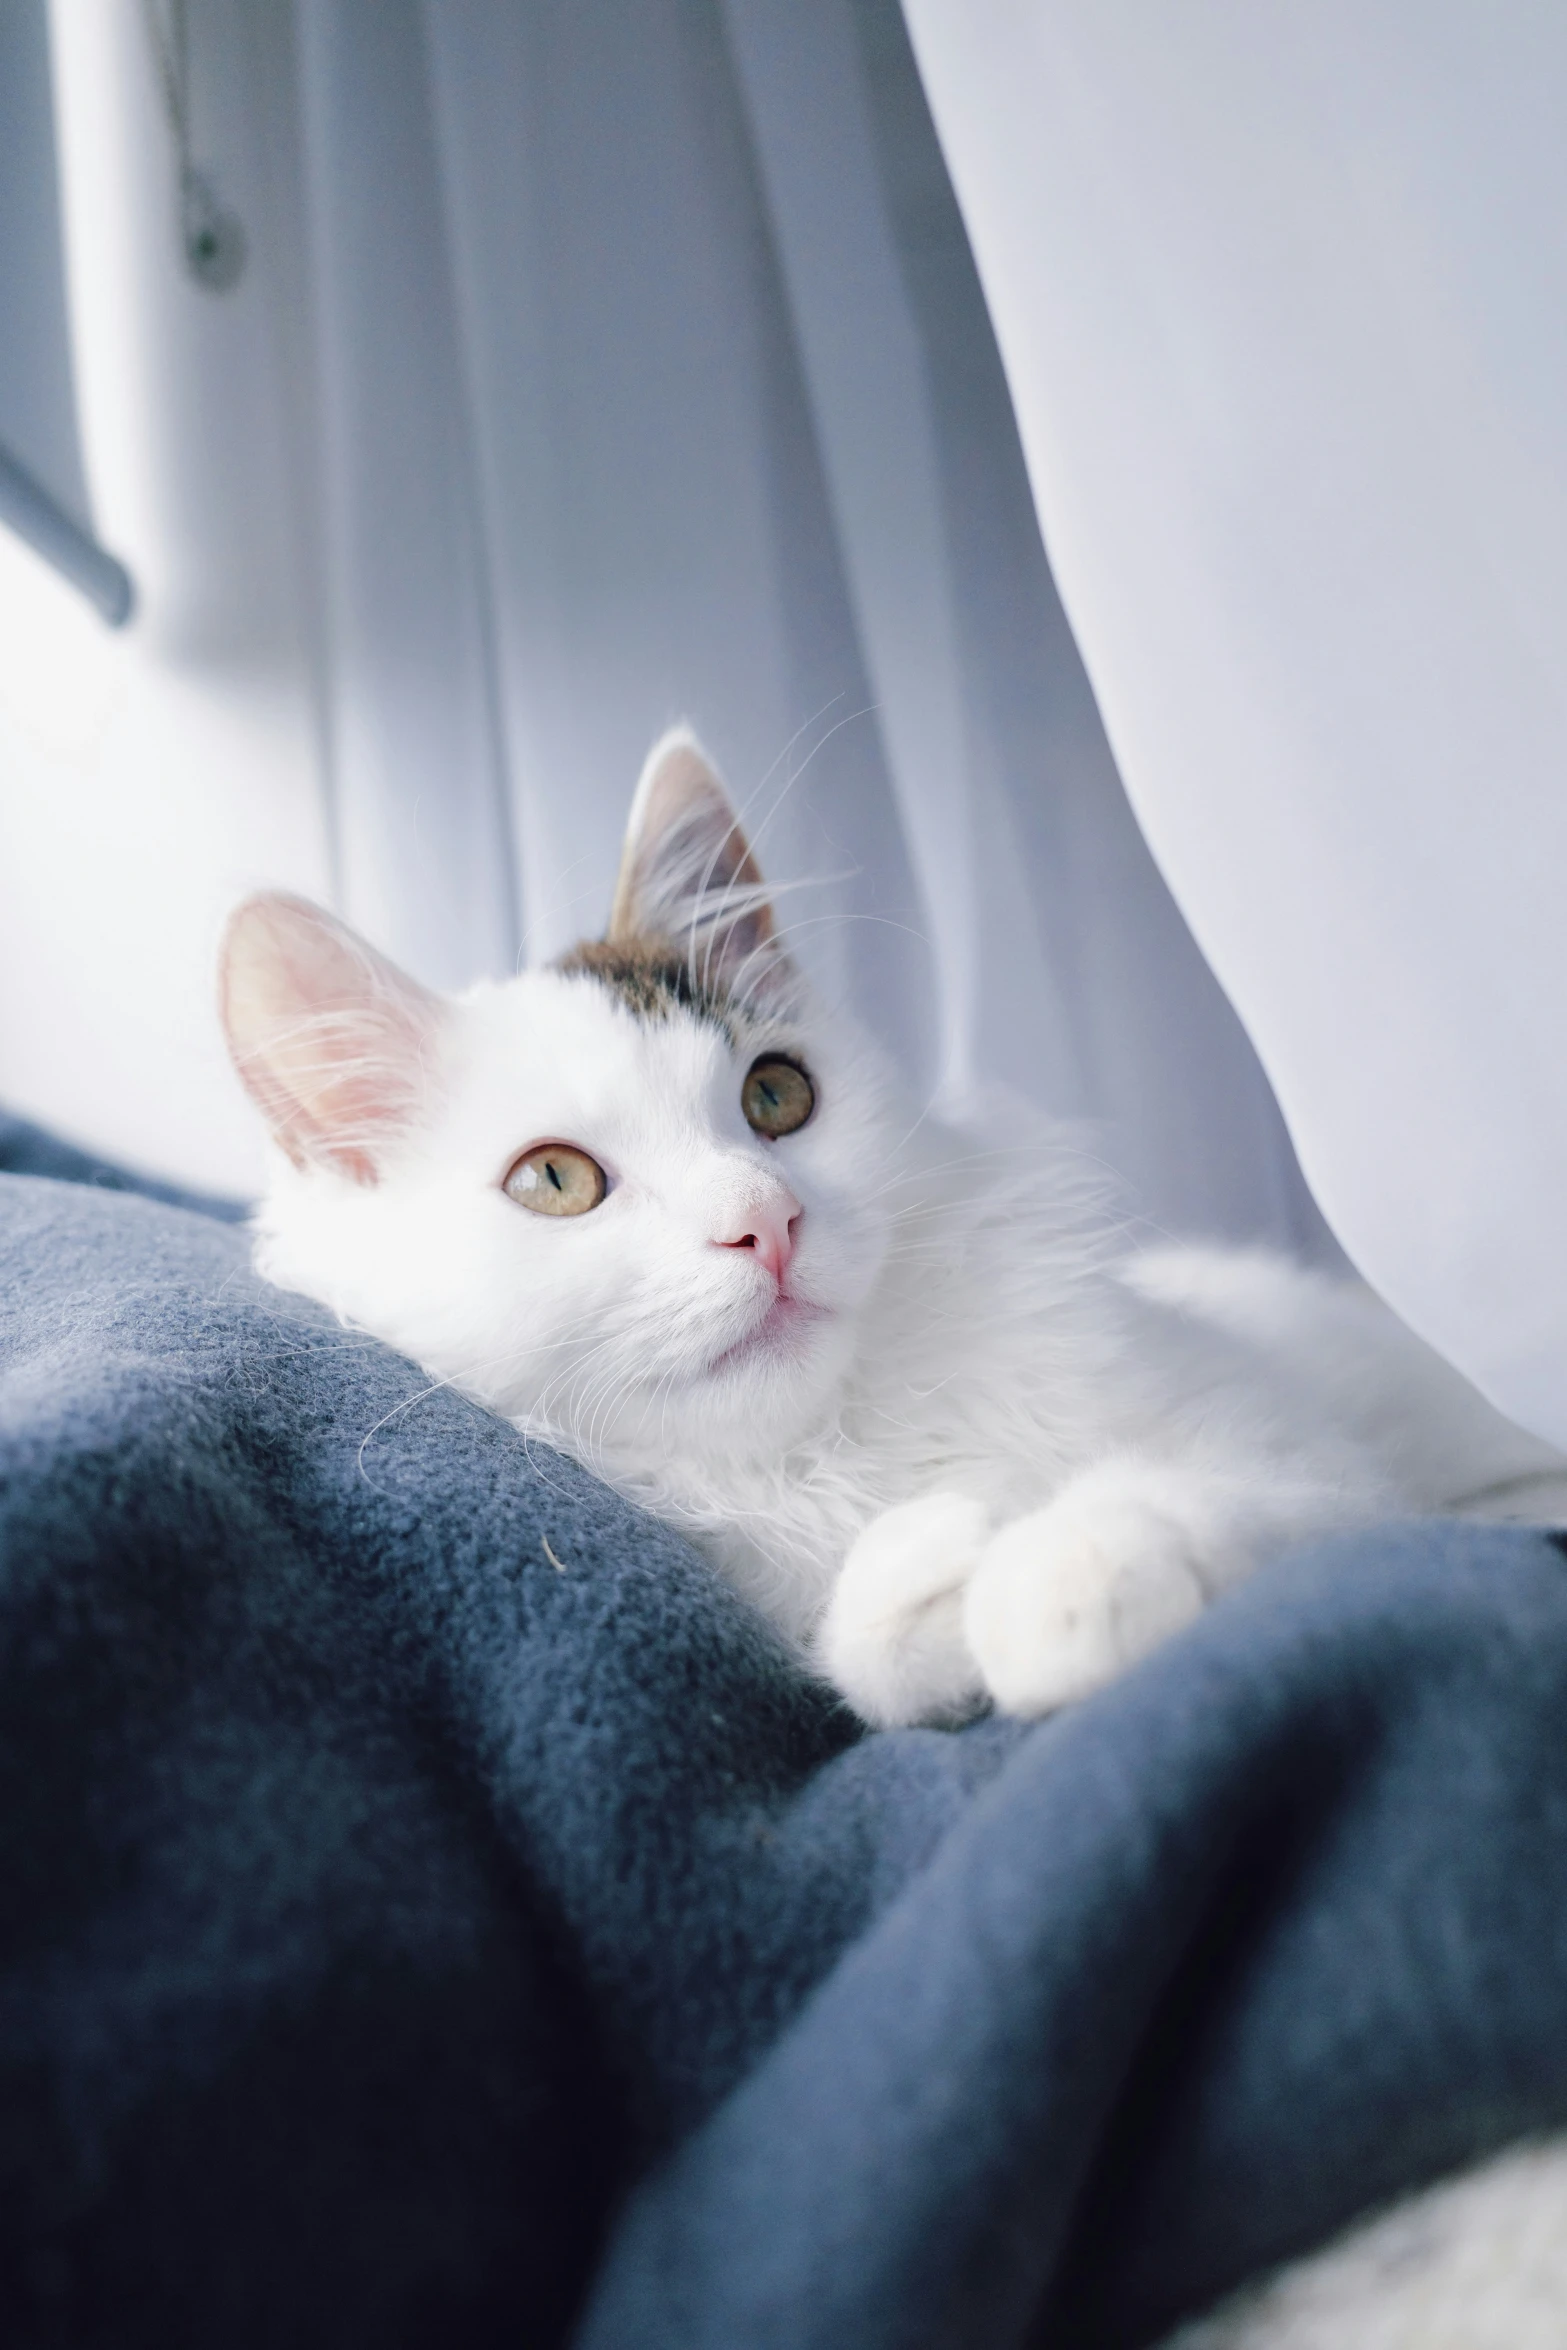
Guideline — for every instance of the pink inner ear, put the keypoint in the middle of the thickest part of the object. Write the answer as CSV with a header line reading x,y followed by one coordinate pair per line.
x,y
331,1040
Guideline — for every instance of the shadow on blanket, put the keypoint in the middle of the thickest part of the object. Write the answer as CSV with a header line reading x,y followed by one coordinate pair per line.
x,y
408,1941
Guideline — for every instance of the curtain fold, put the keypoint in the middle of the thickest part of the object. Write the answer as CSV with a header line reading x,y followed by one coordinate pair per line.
x,y
746,456
1281,297
415,761
604,362
1067,977
661,538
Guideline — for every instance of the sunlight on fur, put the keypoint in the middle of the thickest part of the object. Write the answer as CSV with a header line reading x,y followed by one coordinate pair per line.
x,y
919,1399
914,1396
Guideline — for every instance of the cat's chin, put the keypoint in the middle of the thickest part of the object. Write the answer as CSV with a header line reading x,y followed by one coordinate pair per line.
x,y
788,1333
761,1392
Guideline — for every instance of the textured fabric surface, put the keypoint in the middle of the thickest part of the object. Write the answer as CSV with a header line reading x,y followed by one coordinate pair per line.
x,y
409,1939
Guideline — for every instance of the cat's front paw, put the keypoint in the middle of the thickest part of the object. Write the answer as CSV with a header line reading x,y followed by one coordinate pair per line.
x,y
1069,1596
892,1638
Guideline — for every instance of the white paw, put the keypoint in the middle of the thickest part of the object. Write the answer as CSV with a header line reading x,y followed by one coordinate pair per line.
x,y
1066,1598
892,1638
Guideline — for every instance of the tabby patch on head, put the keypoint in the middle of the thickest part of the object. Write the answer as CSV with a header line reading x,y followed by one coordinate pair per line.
x,y
343,1052
636,1201
652,978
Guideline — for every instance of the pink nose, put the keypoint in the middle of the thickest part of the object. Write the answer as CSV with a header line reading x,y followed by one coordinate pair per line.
x,y
770,1230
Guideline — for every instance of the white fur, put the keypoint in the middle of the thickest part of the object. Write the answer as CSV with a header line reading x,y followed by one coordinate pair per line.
x,y
984,1451
1477,2263
981,1451
1119,1437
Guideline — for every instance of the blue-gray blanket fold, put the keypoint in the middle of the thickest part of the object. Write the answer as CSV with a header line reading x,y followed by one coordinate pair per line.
x,y
408,1940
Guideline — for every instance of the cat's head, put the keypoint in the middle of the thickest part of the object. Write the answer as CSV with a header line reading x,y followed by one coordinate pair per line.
x,y
635,1200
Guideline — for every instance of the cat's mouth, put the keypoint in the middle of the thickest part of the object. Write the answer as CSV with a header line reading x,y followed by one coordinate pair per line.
x,y
778,1334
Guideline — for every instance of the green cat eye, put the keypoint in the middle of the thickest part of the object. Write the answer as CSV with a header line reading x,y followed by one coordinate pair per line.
x,y
777,1097
554,1179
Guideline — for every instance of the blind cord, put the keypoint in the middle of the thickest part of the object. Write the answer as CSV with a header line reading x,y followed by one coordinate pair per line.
x,y
212,238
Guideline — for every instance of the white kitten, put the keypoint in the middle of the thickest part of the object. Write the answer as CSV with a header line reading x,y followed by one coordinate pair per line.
x,y
914,1398
658,1209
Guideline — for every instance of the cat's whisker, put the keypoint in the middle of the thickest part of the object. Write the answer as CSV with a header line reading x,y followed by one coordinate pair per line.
x,y
759,833
999,1385
385,1421
850,718
815,719
558,893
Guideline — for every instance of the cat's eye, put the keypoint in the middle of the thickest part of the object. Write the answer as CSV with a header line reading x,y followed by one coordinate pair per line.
x,y
554,1179
777,1097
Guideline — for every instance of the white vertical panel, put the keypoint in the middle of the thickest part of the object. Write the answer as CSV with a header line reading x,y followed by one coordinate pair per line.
x,y
1281,294
596,363
416,761
1069,980
877,433
662,544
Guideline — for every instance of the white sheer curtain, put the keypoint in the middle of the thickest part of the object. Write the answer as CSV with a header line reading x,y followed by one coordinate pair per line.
x,y
1282,296
598,362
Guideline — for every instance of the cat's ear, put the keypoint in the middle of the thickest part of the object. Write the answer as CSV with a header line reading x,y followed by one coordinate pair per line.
x,y
330,1039
687,875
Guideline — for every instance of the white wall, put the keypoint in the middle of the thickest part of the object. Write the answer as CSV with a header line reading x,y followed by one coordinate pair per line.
x,y
149,779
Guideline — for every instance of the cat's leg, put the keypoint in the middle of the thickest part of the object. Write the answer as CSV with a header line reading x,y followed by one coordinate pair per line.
x,y
1128,1552
892,1638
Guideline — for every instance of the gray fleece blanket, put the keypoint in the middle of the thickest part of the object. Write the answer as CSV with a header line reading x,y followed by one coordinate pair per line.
x,y
436,1911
